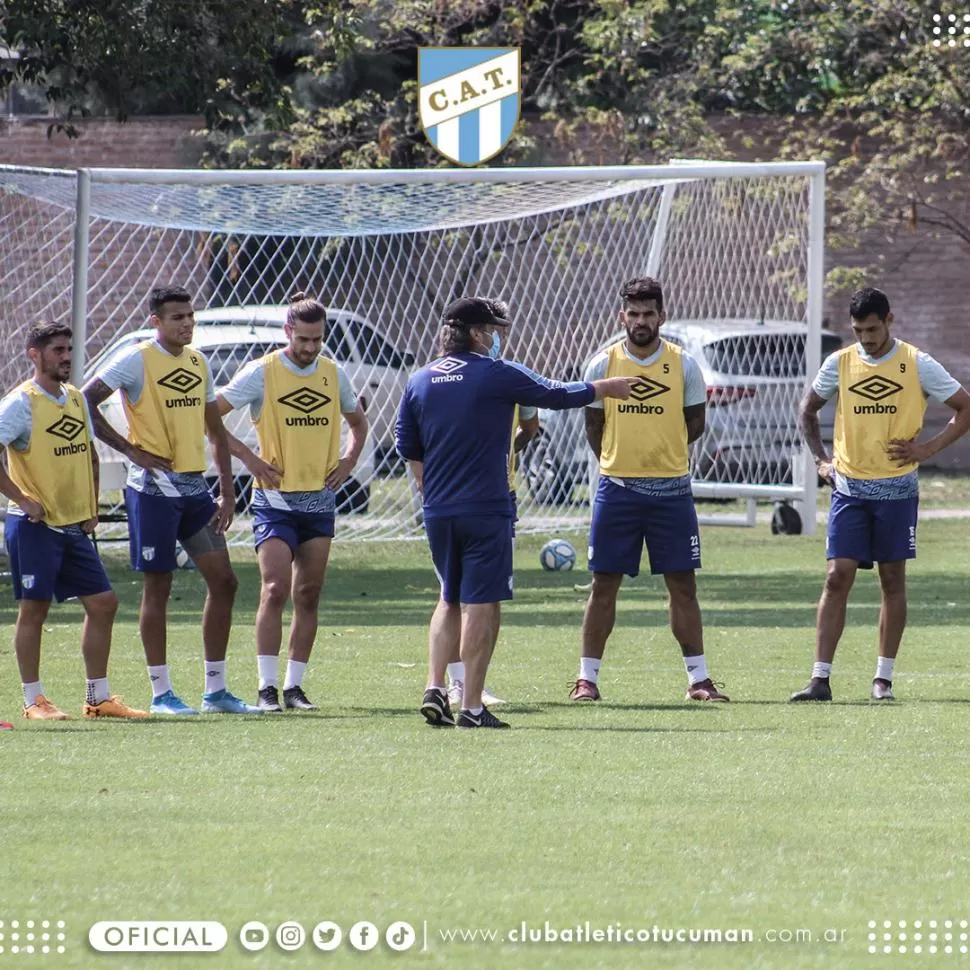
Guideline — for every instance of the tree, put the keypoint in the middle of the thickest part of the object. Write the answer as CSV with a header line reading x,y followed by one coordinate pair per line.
x,y
218,58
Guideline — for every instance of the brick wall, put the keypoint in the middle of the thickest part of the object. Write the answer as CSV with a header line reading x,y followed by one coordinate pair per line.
x,y
150,142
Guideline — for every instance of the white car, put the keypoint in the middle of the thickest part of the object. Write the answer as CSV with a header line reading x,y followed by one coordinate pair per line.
x,y
227,348
378,370
755,376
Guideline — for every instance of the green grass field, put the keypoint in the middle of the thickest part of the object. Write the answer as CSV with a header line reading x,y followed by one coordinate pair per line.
x,y
642,810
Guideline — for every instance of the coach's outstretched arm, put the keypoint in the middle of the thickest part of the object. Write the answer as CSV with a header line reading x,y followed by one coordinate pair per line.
x,y
527,387
96,392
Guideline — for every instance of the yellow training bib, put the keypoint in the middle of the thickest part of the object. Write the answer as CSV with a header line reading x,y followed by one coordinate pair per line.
x,y
877,402
299,424
169,418
56,467
646,435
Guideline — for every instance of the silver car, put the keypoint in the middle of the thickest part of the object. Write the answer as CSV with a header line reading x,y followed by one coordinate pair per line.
x,y
755,376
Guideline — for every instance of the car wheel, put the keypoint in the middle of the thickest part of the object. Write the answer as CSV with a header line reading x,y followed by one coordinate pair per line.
x,y
547,483
785,521
352,497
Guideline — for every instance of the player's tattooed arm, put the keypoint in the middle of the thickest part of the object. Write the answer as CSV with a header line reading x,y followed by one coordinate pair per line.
x,y
96,392
595,422
695,417
811,429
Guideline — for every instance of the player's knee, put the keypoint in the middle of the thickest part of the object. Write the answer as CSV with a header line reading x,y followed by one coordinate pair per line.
x,y
275,593
682,590
224,585
104,605
893,584
839,579
158,587
306,596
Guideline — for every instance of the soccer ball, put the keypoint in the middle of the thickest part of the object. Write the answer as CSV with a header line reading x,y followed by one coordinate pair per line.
x,y
557,555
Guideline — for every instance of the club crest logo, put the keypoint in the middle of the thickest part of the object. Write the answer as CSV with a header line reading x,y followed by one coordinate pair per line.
x,y
27,581
148,553
469,100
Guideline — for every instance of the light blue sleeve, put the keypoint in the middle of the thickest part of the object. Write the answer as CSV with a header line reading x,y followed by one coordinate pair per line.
x,y
87,417
527,412
15,420
210,384
126,372
934,378
246,388
348,395
826,383
695,387
596,371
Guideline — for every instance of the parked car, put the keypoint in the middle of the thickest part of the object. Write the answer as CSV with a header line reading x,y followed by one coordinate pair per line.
x,y
379,370
228,347
755,376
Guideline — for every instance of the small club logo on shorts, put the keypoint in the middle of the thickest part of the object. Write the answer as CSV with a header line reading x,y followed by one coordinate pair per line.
x,y
148,553
27,581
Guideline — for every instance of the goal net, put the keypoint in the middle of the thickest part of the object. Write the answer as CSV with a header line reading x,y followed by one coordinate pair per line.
x,y
738,248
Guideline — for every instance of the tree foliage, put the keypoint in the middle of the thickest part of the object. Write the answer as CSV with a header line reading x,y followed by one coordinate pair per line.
x,y
217,58
860,83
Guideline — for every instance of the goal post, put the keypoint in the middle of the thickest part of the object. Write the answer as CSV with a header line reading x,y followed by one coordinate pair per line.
x,y
738,247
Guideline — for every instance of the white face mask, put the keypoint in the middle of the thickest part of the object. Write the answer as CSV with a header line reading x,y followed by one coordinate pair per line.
x,y
496,347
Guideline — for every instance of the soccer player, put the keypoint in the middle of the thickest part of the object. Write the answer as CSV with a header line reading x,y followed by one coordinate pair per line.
x,y
51,481
644,493
296,399
882,385
169,399
454,426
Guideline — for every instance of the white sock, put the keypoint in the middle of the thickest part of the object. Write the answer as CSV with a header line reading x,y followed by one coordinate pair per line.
x,y
161,684
589,668
294,674
269,671
474,711
32,692
821,670
696,668
884,668
215,676
97,691
456,671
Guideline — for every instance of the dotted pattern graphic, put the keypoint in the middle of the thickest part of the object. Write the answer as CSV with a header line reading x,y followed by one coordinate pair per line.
x,y
930,936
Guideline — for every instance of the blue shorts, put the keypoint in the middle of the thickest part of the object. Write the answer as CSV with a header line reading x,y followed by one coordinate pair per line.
x,y
472,556
157,522
46,565
294,528
871,530
623,520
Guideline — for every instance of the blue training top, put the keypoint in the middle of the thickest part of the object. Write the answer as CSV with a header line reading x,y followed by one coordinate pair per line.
x,y
456,418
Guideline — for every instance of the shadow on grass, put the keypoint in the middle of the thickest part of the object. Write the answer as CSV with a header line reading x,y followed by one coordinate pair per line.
x,y
388,596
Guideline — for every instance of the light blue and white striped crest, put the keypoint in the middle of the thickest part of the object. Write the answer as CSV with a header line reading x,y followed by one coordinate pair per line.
x,y
469,99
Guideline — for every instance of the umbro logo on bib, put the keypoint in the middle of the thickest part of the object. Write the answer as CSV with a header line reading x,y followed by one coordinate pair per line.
x,y
646,388
66,427
876,389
